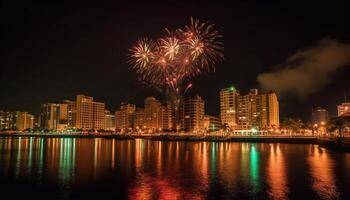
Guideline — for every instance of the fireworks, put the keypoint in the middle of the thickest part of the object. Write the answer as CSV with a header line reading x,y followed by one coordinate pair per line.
x,y
169,61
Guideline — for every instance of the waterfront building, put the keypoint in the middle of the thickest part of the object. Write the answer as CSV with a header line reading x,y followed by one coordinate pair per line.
x,y
7,120
344,109
16,120
84,115
212,123
71,113
50,116
89,114
319,116
193,110
154,112
228,106
109,121
124,117
252,110
24,121
139,119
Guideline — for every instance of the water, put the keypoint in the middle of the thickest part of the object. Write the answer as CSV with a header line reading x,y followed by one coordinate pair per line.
x,y
72,168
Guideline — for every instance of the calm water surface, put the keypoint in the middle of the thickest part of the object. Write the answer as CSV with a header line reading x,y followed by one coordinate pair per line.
x,y
71,168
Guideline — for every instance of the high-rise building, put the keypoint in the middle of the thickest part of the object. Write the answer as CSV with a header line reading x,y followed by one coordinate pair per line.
x,y
54,116
228,106
7,120
272,106
344,109
252,110
139,119
90,115
98,116
16,120
109,121
84,115
153,114
71,113
124,117
193,109
24,121
211,123
319,116
50,116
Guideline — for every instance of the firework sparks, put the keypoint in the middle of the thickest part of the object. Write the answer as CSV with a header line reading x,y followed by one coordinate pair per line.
x,y
173,59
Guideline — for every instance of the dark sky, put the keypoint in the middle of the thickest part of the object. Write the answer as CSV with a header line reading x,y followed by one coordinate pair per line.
x,y
53,51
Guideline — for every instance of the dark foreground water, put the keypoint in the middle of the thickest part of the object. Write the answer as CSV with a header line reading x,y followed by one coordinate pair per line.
x,y
68,168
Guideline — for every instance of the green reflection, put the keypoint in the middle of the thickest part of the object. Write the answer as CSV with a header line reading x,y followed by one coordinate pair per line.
x,y
254,168
213,157
67,159
41,157
18,159
30,156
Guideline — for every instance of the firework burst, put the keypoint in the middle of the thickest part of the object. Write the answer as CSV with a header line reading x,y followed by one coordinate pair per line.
x,y
168,62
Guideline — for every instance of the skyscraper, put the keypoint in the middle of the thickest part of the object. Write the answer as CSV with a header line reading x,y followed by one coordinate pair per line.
x,y
24,121
193,108
228,106
71,113
98,116
50,116
139,119
109,121
153,114
89,114
84,116
124,117
252,110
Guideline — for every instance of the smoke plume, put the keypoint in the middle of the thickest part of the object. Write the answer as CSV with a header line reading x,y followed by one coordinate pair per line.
x,y
308,70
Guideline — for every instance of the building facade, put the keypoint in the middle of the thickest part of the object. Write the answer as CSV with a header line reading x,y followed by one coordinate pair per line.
x,y
16,121
252,110
228,106
344,109
212,123
124,117
109,121
193,110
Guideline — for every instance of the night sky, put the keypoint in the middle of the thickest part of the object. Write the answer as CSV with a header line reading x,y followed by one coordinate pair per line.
x,y
53,51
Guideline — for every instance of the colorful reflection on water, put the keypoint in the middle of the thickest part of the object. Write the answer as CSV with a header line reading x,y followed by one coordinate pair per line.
x,y
141,169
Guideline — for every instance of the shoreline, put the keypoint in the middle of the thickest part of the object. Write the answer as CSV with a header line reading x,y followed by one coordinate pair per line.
x,y
329,143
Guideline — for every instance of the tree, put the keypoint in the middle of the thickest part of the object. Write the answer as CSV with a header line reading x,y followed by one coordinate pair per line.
x,y
292,124
339,124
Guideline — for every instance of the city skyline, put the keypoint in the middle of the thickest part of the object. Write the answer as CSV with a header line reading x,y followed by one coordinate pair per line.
x,y
61,55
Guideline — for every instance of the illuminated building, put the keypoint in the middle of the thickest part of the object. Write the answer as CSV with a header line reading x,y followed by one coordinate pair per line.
x,y
98,116
228,105
24,121
89,114
319,116
16,120
71,113
124,117
344,109
84,115
50,116
193,108
7,120
109,121
211,123
252,110
139,119
154,112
